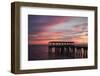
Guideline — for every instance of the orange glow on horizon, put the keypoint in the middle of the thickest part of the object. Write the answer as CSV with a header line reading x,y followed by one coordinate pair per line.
x,y
45,42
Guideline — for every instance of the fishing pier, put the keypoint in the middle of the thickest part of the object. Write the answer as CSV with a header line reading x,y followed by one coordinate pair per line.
x,y
67,49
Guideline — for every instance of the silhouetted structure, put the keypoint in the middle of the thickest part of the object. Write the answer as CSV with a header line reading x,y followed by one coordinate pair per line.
x,y
66,50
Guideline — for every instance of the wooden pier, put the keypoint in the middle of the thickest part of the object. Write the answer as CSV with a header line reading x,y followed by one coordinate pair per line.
x,y
67,50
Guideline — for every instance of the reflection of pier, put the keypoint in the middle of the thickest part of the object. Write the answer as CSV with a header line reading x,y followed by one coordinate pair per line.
x,y
67,50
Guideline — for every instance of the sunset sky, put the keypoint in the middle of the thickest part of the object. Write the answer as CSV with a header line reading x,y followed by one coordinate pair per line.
x,y
42,29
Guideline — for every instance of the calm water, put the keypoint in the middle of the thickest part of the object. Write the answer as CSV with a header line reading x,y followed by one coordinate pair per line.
x,y
40,52
37,52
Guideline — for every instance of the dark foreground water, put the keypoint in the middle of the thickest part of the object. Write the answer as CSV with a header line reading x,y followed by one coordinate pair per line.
x,y
41,52
37,52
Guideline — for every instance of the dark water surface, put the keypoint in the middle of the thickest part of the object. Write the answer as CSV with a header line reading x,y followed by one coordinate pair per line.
x,y
37,52
41,52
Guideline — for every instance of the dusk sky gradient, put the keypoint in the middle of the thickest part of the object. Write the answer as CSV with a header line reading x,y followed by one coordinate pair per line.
x,y
42,29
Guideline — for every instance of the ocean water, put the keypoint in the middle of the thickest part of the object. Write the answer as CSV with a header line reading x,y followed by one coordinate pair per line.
x,y
37,52
41,52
